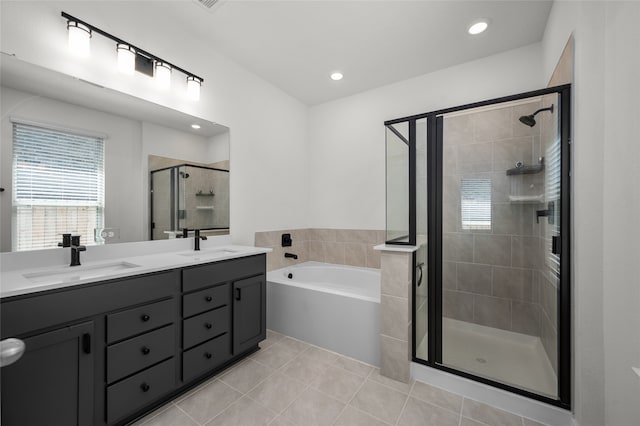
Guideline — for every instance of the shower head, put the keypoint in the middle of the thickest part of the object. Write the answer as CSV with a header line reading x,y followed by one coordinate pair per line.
x,y
184,175
529,120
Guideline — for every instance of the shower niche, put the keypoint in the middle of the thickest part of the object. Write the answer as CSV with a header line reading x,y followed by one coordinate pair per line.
x,y
487,204
189,196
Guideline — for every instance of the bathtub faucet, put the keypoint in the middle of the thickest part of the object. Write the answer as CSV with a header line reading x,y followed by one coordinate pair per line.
x,y
291,255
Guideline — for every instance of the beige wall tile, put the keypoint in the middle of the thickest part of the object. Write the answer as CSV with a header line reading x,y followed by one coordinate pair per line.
x,y
316,251
373,257
395,273
356,236
514,219
474,278
334,253
474,158
394,315
492,125
394,358
492,249
509,151
512,283
355,254
526,252
525,318
457,305
449,275
492,312
457,247
458,130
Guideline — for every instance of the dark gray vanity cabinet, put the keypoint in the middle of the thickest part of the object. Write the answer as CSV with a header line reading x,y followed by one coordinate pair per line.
x,y
214,316
249,312
52,384
106,353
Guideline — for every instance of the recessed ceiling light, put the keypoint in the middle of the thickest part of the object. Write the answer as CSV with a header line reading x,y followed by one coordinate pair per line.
x,y
478,27
195,126
336,76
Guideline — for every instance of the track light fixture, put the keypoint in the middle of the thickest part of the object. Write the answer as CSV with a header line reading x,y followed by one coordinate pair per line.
x,y
130,57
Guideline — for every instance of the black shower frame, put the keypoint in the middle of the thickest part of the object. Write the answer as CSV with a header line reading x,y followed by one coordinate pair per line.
x,y
173,196
434,239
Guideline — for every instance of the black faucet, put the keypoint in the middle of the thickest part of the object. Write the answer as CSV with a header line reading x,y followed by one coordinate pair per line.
x,y
197,239
185,232
291,255
76,248
66,241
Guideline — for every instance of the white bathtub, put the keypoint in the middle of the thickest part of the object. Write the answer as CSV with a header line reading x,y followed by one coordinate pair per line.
x,y
332,306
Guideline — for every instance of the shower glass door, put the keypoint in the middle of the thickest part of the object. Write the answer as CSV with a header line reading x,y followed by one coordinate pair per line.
x,y
491,288
501,212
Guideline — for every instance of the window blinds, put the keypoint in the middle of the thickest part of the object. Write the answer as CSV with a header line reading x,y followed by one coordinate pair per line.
x,y
58,185
475,203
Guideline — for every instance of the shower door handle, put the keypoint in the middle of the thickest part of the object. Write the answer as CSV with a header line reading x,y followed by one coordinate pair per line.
x,y
555,244
419,267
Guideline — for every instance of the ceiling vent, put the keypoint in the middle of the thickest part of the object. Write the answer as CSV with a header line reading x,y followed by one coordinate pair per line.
x,y
208,4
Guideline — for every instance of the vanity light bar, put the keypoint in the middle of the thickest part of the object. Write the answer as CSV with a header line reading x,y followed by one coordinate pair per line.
x,y
141,56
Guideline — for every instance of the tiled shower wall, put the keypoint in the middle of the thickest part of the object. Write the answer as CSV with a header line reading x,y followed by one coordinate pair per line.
x,y
490,275
340,246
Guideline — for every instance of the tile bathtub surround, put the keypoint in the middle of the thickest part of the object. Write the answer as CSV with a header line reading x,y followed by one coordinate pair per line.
x,y
335,391
339,246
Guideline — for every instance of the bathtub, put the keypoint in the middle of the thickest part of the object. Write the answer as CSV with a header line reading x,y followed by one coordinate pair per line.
x,y
332,306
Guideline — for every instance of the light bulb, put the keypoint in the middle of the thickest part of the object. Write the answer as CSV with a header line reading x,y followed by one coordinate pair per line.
x,y
79,39
336,76
126,59
478,27
193,88
163,75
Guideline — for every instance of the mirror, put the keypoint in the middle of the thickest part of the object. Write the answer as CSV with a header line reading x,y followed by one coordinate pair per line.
x,y
138,139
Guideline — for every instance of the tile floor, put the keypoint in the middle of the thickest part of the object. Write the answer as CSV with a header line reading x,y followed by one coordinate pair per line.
x,y
290,383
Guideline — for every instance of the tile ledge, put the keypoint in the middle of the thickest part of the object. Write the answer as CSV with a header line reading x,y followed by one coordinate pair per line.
x,y
396,248
636,370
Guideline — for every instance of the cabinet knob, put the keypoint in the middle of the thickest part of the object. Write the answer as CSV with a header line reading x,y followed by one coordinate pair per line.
x,y
208,325
145,350
208,355
145,317
145,387
208,298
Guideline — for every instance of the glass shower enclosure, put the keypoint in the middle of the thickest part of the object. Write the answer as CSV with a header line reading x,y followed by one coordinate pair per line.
x,y
188,196
489,187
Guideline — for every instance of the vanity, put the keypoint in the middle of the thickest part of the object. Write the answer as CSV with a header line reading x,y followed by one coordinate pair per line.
x,y
121,337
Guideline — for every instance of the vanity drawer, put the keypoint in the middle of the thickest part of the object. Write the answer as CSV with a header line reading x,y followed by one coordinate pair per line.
x,y
137,391
205,326
138,320
206,357
204,300
140,352
199,277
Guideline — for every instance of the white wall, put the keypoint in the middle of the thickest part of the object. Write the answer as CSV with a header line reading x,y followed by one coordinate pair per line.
x,y
268,127
606,204
347,136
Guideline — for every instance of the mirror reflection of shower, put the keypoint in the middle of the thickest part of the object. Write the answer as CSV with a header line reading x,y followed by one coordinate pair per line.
x,y
189,196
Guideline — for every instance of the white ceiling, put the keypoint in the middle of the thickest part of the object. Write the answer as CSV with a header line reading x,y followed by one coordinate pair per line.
x,y
296,44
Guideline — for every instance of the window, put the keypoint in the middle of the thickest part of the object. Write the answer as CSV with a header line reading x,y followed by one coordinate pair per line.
x,y
58,186
475,203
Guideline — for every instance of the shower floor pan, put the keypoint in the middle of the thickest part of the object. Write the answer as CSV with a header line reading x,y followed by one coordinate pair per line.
x,y
504,356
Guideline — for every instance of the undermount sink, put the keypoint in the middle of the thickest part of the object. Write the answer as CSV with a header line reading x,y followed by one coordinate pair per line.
x,y
77,273
211,253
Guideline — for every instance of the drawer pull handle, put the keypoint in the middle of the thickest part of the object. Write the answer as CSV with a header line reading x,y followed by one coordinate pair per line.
x,y
208,298
208,325
145,387
208,355
145,350
145,317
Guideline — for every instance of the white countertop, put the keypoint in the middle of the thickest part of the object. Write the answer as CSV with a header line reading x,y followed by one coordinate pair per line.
x,y
13,281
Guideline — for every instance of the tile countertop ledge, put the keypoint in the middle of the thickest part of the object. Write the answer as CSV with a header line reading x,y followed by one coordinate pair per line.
x,y
14,283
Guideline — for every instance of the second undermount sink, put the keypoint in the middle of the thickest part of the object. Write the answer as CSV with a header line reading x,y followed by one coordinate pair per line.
x,y
211,253
77,273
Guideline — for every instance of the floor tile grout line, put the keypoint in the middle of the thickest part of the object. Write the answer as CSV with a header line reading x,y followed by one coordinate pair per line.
x,y
406,401
158,411
187,414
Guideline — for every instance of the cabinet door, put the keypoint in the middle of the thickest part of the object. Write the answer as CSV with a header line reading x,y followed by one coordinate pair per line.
x,y
52,384
249,313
